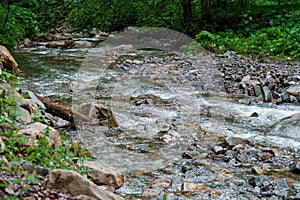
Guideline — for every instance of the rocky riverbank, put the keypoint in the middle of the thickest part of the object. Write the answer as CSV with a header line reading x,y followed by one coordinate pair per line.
x,y
209,165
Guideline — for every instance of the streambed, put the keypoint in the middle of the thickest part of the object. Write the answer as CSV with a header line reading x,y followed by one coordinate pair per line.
x,y
172,114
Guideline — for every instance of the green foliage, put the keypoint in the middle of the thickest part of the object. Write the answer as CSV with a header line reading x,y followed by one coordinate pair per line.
x,y
15,22
165,196
41,153
113,15
276,35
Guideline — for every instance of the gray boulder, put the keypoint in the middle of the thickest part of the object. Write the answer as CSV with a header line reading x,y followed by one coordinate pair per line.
x,y
77,185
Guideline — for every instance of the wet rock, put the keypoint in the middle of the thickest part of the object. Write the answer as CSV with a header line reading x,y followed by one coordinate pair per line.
x,y
195,187
255,114
271,150
257,170
287,127
295,168
219,149
99,112
233,141
9,62
119,49
105,174
161,183
265,155
45,37
57,122
35,130
294,90
238,147
76,185
285,97
187,155
27,42
169,136
267,94
83,44
66,44
149,192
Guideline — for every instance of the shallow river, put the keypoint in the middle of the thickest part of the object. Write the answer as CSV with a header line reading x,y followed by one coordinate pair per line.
x,y
162,104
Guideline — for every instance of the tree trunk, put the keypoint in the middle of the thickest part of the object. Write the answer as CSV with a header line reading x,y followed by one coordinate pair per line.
x,y
187,11
205,9
62,111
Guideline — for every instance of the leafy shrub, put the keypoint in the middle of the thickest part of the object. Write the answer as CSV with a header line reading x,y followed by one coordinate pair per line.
x,y
281,38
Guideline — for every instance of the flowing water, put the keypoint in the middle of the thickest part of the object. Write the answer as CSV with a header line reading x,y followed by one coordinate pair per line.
x,y
163,106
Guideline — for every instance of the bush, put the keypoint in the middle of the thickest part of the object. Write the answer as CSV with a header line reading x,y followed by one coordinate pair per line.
x,y
280,39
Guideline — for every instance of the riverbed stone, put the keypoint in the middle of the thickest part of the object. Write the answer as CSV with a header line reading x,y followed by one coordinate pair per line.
x,y
83,44
161,183
105,174
99,112
195,187
149,192
257,90
294,90
33,131
65,44
57,122
23,115
233,141
119,49
285,97
33,107
295,168
219,149
267,94
76,184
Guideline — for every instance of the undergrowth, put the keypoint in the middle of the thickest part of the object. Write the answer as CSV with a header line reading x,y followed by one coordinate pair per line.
x,y
262,33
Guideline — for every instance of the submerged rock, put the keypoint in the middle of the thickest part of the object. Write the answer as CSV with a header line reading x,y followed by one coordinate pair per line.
x,y
287,127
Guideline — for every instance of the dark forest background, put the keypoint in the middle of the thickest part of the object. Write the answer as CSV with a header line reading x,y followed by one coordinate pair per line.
x,y
253,27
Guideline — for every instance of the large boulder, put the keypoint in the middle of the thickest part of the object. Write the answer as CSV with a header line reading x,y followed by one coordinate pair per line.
x,y
35,130
78,185
105,174
9,63
294,90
